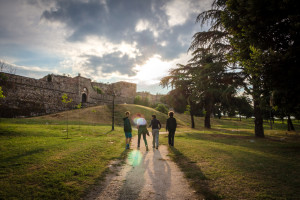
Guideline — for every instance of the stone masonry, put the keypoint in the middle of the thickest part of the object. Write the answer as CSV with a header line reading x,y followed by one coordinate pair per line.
x,y
32,97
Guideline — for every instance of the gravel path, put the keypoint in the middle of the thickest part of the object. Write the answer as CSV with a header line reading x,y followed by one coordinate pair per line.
x,y
146,175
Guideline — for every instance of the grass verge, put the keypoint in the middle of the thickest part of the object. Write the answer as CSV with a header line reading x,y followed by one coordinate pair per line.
x,y
38,162
223,163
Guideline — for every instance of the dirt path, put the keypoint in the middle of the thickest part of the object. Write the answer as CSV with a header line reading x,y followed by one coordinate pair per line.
x,y
146,175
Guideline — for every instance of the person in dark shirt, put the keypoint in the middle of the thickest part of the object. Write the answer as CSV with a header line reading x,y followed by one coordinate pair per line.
x,y
127,129
171,127
155,131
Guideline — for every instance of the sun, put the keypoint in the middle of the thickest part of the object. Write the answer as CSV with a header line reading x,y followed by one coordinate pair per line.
x,y
152,71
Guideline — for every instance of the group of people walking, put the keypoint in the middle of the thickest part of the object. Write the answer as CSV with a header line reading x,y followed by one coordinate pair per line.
x,y
141,123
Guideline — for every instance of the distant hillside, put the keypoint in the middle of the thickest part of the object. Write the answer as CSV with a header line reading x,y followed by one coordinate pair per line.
x,y
103,114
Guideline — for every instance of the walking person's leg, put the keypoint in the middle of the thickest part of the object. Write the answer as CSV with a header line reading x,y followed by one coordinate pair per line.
x,y
139,139
172,139
157,139
129,140
169,137
153,141
145,140
154,135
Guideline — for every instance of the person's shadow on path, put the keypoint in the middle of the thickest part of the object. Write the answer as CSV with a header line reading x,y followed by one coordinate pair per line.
x,y
161,175
134,180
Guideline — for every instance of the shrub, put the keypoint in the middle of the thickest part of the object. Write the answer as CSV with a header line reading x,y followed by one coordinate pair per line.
x,y
162,108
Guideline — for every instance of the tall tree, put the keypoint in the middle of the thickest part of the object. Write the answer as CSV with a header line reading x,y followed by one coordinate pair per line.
x,y
205,79
210,49
176,99
265,36
180,79
211,78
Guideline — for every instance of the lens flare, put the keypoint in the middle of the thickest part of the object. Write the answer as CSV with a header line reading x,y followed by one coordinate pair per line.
x,y
138,119
135,158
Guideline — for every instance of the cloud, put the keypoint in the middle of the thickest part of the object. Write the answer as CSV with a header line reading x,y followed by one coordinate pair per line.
x,y
115,62
144,25
178,12
101,39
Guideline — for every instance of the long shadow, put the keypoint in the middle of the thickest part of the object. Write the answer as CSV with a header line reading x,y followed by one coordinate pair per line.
x,y
36,150
108,132
250,142
161,176
8,161
194,174
268,160
134,181
235,131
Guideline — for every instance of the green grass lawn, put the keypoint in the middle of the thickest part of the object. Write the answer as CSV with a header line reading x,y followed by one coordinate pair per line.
x,y
229,162
38,162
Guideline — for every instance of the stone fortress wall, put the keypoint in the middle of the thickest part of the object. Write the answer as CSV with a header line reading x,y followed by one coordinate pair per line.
x,y
32,97
153,99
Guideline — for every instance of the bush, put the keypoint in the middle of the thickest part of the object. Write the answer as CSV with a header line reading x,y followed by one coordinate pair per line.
x,y
162,108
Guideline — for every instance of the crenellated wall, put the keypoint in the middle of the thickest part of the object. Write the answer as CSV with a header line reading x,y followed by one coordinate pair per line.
x,y
31,97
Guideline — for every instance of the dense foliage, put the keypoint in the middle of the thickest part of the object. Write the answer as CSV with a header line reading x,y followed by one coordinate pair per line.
x,y
250,50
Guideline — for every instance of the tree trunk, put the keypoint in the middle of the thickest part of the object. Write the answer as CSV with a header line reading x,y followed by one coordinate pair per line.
x,y
208,109
290,124
259,129
192,120
271,119
207,120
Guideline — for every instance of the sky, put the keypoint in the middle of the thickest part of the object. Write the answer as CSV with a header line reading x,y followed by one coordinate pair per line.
x,y
107,41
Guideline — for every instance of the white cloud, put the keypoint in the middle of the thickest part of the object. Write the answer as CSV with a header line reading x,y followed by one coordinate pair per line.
x,y
143,25
77,54
99,46
179,11
163,43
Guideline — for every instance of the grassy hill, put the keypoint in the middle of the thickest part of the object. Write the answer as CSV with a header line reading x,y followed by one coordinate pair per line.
x,y
103,115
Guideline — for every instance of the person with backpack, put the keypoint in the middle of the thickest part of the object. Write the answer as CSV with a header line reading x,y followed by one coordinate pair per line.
x,y
127,129
155,123
142,130
171,127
